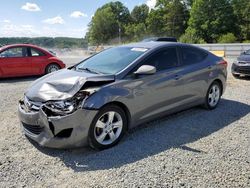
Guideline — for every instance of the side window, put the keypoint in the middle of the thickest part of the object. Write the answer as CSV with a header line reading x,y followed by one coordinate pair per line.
x,y
36,53
14,52
191,56
165,59
162,60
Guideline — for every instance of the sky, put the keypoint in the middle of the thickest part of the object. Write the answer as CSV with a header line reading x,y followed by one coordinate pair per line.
x,y
52,18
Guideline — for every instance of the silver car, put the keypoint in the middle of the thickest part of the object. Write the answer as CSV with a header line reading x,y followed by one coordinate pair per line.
x,y
96,101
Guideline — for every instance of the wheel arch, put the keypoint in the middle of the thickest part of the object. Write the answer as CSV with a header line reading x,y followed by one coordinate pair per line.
x,y
51,63
123,107
220,83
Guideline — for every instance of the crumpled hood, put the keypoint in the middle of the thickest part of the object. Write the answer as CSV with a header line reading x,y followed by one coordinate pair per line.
x,y
62,85
244,58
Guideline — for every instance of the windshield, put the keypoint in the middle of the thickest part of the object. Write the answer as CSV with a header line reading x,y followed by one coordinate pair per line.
x,y
111,61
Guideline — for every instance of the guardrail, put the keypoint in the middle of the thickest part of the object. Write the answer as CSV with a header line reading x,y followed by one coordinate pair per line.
x,y
230,50
226,50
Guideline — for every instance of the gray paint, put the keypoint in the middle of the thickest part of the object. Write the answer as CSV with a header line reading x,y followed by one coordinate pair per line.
x,y
62,85
242,63
145,96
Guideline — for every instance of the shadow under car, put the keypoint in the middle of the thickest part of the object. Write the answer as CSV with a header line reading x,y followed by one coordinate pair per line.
x,y
173,131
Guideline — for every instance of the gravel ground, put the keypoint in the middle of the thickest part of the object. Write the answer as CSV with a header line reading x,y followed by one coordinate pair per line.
x,y
194,148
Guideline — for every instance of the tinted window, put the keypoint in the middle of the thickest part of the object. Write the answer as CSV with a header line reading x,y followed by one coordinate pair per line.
x,y
192,56
14,52
165,59
35,52
112,60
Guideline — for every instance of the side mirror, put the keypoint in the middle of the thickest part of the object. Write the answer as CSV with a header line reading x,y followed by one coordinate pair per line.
x,y
243,53
145,70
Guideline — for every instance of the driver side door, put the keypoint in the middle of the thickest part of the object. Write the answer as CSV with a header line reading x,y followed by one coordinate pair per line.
x,y
15,62
160,92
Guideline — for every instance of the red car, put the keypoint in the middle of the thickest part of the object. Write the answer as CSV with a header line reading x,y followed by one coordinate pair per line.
x,y
25,59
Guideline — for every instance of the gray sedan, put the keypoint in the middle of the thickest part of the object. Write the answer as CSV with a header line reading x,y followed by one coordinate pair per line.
x,y
96,101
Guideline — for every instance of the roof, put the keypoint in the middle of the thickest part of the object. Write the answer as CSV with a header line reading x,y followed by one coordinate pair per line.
x,y
26,45
155,44
16,45
162,39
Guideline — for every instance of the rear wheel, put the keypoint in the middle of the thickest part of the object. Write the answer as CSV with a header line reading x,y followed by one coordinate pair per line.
x,y
52,68
107,128
213,95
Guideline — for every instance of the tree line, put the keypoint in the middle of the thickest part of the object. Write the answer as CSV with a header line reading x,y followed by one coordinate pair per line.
x,y
49,42
190,21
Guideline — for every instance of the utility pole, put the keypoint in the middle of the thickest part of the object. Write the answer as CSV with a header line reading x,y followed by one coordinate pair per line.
x,y
119,34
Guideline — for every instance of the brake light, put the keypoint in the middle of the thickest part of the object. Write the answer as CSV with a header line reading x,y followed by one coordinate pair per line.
x,y
223,62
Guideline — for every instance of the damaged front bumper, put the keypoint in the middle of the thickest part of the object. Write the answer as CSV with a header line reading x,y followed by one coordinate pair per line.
x,y
56,131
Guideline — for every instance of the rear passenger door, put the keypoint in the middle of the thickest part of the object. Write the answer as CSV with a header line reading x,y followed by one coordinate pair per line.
x,y
194,73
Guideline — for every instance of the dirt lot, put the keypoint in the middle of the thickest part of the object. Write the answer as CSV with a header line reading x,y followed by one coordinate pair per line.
x,y
194,148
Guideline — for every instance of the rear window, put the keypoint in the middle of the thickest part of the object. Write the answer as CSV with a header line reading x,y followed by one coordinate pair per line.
x,y
192,55
36,53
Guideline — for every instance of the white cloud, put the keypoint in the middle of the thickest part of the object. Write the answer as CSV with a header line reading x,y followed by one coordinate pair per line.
x,y
11,30
78,14
31,7
6,21
151,3
55,20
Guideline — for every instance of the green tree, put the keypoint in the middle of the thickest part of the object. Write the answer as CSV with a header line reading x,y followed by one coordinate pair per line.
x,y
103,26
140,13
191,37
169,18
135,32
48,42
108,23
189,2
120,12
155,22
137,28
210,19
227,38
242,10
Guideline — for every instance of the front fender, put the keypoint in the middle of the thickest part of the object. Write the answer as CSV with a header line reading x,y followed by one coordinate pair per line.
x,y
106,95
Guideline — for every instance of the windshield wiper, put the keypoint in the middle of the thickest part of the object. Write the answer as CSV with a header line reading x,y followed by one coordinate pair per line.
x,y
90,70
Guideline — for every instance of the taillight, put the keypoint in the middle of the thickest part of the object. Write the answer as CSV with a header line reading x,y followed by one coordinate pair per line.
x,y
223,62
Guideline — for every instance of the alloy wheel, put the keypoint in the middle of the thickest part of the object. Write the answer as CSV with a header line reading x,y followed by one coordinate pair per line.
x,y
53,68
108,128
214,95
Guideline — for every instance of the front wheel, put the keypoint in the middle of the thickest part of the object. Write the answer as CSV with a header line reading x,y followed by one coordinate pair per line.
x,y
107,128
213,96
52,68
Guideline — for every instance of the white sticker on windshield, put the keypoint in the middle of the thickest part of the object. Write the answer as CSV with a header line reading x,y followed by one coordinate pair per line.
x,y
139,49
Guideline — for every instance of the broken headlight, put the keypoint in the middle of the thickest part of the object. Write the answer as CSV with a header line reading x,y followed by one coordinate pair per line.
x,y
69,106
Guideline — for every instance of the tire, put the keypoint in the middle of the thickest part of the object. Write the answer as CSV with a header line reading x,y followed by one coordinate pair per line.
x,y
237,76
105,131
52,68
213,96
